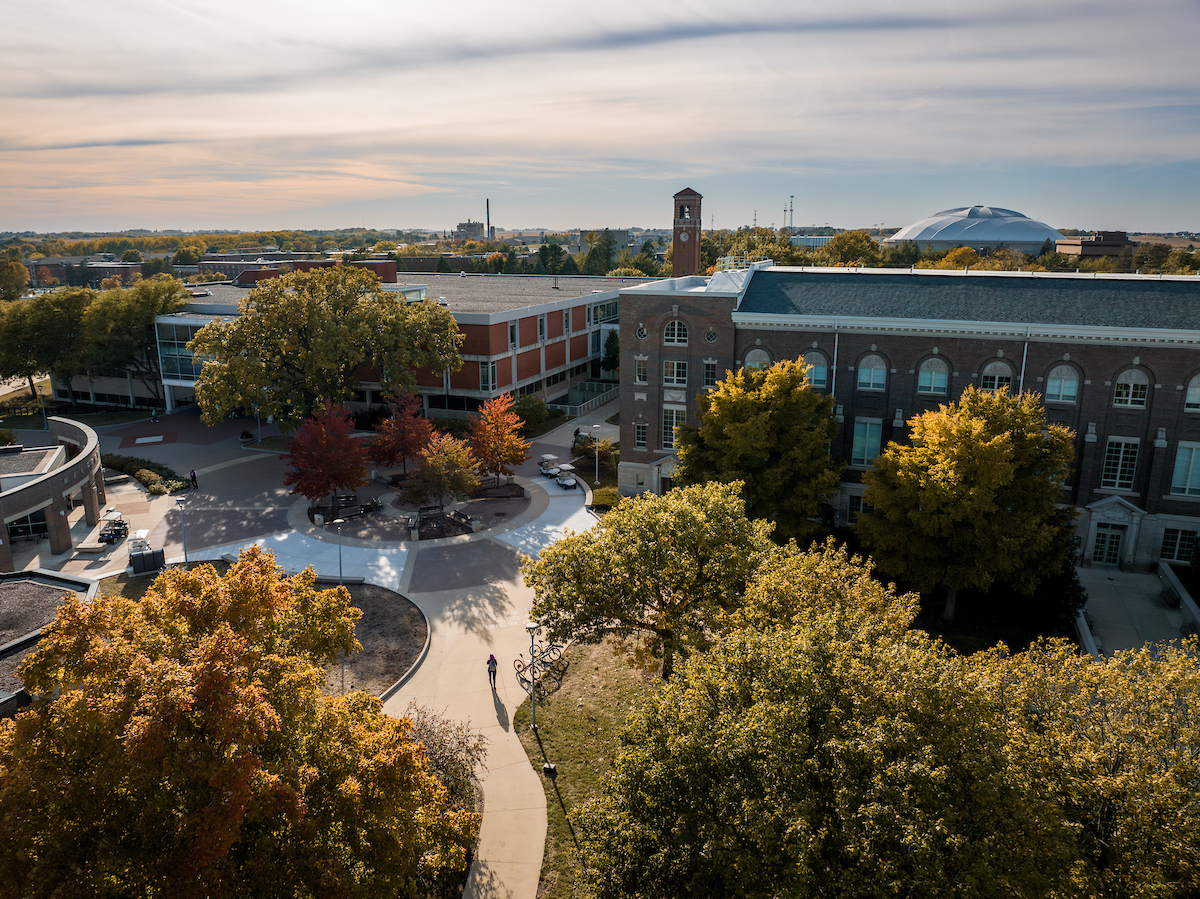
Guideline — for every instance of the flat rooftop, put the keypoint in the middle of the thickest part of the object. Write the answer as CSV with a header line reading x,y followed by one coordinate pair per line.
x,y
502,293
26,462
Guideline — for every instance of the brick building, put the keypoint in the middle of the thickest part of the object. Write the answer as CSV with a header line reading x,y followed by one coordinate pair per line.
x,y
1115,357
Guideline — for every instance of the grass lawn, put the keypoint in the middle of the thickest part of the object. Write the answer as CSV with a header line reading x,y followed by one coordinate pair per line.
x,y
135,586
536,431
578,723
276,444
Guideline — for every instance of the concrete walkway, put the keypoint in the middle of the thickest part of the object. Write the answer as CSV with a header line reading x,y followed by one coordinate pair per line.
x,y
1126,609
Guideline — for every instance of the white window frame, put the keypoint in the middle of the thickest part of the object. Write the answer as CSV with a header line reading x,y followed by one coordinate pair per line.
x,y
675,333
541,327
1185,476
566,321
870,432
675,373
1178,545
1191,399
875,370
1119,468
1060,376
487,376
639,434
710,374
855,507
757,358
678,416
933,377
641,370
817,362
1131,389
996,375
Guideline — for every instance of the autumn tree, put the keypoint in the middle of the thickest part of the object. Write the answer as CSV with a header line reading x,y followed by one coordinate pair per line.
x,y
179,746
13,278
448,468
403,434
971,498
305,338
323,458
834,753
850,248
664,568
767,428
495,437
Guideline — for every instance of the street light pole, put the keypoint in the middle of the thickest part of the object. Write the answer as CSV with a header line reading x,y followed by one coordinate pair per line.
x,y
183,527
339,522
532,627
596,446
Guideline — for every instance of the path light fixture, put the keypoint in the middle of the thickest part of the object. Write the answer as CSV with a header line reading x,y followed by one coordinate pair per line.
x,y
183,527
339,522
596,446
532,627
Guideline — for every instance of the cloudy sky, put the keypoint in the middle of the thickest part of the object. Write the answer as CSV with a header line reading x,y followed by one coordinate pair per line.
x,y
267,114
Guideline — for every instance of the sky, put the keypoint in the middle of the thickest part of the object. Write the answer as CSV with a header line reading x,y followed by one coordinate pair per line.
x,y
260,114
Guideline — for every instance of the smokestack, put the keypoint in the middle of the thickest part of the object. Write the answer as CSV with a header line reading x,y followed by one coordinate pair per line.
x,y
488,210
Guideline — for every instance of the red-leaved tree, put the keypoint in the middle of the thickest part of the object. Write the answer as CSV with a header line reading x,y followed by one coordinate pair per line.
x,y
324,457
403,434
495,440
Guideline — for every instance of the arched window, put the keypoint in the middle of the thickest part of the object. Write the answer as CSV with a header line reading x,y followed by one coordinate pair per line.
x,y
1131,389
1192,401
1062,385
757,358
676,333
872,373
995,376
933,377
818,371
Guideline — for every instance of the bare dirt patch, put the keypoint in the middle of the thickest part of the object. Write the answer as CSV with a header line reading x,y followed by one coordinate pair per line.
x,y
24,608
392,632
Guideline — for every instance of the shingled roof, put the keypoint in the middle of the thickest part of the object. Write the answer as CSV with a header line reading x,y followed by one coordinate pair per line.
x,y
1127,302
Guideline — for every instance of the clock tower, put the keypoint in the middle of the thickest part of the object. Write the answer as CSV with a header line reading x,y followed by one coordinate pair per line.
x,y
685,252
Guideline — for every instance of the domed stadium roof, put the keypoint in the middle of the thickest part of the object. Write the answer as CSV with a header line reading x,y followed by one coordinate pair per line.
x,y
978,227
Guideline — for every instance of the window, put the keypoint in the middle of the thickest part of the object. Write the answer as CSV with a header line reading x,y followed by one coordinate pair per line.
x,y
996,376
595,343
512,334
675,374
1177,545
710,374
1131,389
757,358
867,435
639,434
673,417
858,507
675,334
872,373
1062,386
541,327
604,312
566,321
1120,462
487,375
1186,480
639,371
818,372
933,377
1192,402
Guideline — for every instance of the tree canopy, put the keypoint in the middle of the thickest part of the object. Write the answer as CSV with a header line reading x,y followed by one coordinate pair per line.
x,y
323,457
401,435
13,278
179,747
972,497
302,339
495,437
662,567
448,468
769,429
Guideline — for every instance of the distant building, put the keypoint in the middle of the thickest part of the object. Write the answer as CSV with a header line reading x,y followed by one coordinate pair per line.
x,y
1102,243
979,227
468,230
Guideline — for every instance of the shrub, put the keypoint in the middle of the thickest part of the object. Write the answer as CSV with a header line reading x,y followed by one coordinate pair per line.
x,y
160,475
149,478
531,410
7,436
606,498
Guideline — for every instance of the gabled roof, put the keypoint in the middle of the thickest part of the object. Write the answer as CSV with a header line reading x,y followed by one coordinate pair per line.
x,y
1065,300
688,192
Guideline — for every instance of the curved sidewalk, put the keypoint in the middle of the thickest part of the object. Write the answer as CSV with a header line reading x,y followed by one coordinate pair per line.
x,y
481,606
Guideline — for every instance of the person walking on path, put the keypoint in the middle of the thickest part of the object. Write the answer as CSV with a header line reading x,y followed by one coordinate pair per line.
x,y
492,666
195,482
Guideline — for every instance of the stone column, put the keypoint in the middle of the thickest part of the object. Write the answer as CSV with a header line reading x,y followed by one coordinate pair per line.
x,y
91,507
98,485
58,526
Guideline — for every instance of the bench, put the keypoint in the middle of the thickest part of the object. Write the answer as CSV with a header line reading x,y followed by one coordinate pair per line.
x,y
1170,597
460,516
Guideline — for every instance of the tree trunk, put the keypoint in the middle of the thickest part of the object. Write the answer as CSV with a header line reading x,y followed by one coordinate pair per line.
x,y
668,659
951,595
32,389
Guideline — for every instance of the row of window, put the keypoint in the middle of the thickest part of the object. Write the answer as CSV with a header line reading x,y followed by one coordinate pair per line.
x,y
675,373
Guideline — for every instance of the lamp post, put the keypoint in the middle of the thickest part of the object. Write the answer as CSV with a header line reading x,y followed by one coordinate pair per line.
x,y
596,447
183,527
532,627
339,522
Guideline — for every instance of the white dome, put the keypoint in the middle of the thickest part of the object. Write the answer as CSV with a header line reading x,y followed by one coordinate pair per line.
x,y
980,227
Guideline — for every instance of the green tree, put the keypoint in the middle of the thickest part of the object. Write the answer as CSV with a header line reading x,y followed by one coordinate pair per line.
x,y
302,339
611,360
131,255
768,428
448,468
829,756
442,267
495,437
972,498
45,333
849,248
179,747
569,267
662,567
119,329
551,257
602,248
187,256
13,278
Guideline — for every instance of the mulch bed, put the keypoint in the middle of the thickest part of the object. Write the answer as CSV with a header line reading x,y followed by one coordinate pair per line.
x,y
392,632
24,608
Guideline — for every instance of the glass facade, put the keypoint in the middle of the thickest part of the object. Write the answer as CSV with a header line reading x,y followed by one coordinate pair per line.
x,y
173,355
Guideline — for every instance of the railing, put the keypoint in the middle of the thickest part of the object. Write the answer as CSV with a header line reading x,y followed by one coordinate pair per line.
x,y
584,408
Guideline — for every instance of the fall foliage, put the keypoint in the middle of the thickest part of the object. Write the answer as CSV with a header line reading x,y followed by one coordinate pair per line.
x,y
323,457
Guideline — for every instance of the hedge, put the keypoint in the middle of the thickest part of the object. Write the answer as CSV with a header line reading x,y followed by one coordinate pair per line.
x,y
157,478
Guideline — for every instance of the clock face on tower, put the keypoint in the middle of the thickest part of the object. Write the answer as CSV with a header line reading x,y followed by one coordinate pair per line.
x,y
683,235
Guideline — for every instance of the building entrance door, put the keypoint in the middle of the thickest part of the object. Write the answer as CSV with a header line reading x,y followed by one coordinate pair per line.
x,y
1107,548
